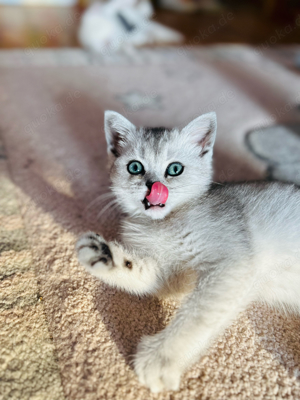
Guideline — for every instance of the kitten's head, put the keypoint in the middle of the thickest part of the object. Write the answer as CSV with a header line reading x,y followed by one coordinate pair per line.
x,y
180,159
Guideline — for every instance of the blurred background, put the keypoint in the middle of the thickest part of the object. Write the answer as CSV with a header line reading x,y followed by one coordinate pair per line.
x,y
55,23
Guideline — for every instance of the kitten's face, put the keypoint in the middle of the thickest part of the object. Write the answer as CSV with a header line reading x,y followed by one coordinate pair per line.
x,y
180,160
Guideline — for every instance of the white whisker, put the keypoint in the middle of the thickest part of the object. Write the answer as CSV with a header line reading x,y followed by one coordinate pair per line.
x,y
100,198
109,205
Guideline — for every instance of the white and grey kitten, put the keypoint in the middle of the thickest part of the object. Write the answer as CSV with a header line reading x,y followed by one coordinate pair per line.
x,y
224,246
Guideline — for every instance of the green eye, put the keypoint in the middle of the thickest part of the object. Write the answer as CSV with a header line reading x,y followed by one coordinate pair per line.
x,y
175,169
135,168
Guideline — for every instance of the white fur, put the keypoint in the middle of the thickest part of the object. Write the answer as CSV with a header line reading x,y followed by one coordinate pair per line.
x,y
228,245
101,30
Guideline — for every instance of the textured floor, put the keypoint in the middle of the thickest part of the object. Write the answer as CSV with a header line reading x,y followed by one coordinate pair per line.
x,y
63,334
28,366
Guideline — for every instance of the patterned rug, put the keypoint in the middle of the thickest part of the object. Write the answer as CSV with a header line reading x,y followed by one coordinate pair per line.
x,y
65,335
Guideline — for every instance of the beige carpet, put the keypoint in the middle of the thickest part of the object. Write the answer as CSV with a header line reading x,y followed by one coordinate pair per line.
x,y
63,334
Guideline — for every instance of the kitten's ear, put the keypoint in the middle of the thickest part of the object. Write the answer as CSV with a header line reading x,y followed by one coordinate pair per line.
x,y
202,131
116,129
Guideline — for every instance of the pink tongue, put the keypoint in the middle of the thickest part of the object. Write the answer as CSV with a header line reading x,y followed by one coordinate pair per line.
x,y
158,195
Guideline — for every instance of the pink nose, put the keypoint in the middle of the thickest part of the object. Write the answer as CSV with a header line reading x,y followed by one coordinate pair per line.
x,y
158,195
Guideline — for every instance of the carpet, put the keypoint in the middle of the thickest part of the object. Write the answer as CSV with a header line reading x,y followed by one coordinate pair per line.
x,y
64,334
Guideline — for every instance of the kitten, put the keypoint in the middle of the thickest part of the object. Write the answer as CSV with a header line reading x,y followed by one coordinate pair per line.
x,y
225,246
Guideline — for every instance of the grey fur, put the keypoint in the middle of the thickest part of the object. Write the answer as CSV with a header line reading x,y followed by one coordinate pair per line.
x,y
219,246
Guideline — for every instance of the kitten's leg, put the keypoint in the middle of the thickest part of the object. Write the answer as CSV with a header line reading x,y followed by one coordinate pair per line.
x,y
215,303
114,265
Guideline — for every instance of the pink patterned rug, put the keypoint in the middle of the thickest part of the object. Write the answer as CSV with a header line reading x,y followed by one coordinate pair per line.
x,y
65,335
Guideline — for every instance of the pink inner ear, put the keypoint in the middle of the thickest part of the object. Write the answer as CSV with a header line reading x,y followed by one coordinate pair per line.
x,y
205,141
158,195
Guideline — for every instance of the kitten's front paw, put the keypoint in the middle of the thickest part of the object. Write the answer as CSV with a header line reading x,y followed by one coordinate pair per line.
x,y
94,253
155,366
